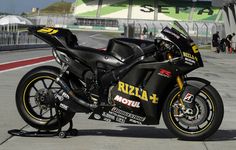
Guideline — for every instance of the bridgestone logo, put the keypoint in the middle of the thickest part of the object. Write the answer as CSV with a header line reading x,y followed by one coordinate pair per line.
x,y
126,114
127,102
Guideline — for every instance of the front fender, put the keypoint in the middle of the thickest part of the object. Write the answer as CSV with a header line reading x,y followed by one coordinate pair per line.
x,y
192,87
197,82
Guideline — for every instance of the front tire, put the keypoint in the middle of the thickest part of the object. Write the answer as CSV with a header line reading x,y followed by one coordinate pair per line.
x,y
38,111
208,118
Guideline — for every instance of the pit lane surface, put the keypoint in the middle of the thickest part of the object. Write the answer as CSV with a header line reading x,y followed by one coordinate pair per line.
x,y
220,69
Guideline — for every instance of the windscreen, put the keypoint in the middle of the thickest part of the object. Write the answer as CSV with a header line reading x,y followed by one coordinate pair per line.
x,y
177,34
180,29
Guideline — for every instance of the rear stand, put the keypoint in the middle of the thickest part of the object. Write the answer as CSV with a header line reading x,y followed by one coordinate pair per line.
x,y
44,133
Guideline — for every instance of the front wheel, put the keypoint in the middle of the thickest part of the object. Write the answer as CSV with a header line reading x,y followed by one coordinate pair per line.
x,y
203,123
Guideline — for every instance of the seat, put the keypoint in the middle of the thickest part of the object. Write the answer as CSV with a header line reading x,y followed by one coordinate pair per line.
x,y
146,45
124,51
121,50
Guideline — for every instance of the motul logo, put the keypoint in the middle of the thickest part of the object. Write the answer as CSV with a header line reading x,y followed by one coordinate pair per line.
x,y
127,102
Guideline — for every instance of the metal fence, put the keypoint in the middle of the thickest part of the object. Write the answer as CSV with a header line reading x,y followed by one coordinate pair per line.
x,y
201,32
18,38
12,35
53,20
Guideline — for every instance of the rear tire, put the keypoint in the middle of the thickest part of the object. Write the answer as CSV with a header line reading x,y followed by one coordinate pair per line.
x,y
32,110
210,106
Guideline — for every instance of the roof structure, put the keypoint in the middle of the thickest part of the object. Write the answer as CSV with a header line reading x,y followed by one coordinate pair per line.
x,y
13,19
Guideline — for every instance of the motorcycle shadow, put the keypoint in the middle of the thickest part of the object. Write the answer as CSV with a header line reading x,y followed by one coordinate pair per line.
x,y
223,135
129,131
152,132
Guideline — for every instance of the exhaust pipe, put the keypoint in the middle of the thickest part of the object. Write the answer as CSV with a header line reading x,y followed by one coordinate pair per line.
x,y
66,88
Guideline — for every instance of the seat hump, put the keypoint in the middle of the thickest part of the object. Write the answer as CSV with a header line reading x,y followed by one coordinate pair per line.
x,y
56,37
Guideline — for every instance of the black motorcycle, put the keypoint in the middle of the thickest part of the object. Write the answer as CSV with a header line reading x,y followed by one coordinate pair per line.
x,y
133,81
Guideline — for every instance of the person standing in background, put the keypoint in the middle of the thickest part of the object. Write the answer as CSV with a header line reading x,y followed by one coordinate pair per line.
x,y
233,45
229,43
215,42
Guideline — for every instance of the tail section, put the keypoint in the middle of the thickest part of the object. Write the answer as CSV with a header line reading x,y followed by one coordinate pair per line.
x,y
58,38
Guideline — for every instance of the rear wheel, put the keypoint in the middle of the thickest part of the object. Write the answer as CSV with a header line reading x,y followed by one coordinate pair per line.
x,y
206,119
35,99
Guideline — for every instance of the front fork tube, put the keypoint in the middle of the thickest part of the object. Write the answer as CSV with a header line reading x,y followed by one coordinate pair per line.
x,y
180,83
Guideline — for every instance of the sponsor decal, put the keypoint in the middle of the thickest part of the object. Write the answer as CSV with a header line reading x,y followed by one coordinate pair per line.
x,y
188,98
190,56
117,115
189,61
135,121
127,102
132,91
121,120
62,97
109,116
165,73
137,92
50,31
127,114
63,106
97,116
65,95
195,48
154,98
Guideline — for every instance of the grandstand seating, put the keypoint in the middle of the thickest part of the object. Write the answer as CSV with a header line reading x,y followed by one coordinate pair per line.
x,y
96,22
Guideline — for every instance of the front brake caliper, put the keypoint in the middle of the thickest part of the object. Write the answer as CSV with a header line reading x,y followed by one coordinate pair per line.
x,y
188,98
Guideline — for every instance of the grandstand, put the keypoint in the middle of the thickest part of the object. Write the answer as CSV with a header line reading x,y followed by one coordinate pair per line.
x,y
198,17
182,10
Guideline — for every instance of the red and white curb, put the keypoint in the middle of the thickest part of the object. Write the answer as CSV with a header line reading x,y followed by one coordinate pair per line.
x,y
13,65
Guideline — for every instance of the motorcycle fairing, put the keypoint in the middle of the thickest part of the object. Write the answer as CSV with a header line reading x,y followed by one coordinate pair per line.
x,y
189,50
148,112
116,114
55,37
137,86
118,53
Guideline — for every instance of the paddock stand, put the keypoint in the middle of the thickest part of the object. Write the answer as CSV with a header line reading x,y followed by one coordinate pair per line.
x,y
42,133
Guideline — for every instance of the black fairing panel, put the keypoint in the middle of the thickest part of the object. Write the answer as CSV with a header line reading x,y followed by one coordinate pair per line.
x,y
66,42
93,57
55,37
124,51
185,46
119,52
146,83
